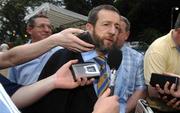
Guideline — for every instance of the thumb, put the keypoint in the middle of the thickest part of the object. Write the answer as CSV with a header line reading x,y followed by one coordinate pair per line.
x,y
106,93
71,62
75,30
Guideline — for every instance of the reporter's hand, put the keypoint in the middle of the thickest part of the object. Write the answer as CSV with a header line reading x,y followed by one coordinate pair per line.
x,y
172,102
63,78
174,92
164,94
69,40
160,91
106,103
84,81
175,103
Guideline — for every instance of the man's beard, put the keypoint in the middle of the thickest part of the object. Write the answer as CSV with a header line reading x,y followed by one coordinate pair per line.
x,y
100,44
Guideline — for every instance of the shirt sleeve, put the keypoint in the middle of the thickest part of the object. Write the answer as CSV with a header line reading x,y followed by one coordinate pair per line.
x,y
9,86
140,83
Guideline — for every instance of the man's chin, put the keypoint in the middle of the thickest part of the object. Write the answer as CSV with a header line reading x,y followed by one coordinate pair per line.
x,y
103,50
108,43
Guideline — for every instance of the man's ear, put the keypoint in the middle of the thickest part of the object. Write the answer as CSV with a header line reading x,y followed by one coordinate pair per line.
x,y
89,27
28,29
127,35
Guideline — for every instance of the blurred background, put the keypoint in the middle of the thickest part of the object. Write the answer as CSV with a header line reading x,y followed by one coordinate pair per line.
x,y
149,18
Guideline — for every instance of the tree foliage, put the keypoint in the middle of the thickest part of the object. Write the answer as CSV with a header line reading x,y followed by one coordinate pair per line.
x,y
147,16
83,6
12,15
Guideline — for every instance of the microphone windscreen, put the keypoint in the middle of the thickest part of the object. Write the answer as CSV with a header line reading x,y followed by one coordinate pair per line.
x,y
114,58
85,36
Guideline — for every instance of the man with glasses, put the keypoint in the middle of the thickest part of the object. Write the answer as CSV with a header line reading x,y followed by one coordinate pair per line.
x,y
38,27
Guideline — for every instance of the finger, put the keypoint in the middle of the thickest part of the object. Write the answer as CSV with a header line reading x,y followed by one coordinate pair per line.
x,y
74,49
81,48
106,93
78,80
83,81
171,102
72,62
90,81
166,88
172,90
173,87
176,105
75,30
158,88
115,97
68,64
160,95
165,98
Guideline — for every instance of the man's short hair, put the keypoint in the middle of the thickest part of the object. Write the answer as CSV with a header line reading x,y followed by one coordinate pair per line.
x,y
128,24
31,21
93,14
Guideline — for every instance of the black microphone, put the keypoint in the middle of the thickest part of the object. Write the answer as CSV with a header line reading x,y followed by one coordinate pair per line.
x,y
114,60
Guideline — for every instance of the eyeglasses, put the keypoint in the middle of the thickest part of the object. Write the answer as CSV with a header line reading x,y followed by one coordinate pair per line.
x,y
43,26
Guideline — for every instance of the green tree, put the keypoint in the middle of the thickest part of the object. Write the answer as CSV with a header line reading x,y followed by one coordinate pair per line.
x,y
12,24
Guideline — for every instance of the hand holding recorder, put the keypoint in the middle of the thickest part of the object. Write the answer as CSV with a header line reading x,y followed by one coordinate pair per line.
x,y
161,79
164,83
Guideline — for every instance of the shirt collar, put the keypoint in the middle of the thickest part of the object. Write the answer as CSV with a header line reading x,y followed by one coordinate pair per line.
x,y
124,46
90,55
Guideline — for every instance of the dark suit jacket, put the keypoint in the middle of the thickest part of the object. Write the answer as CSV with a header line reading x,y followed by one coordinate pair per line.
x,y
9,86
78,100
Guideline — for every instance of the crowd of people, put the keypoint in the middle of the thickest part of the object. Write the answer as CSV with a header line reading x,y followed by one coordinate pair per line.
x,y
40,79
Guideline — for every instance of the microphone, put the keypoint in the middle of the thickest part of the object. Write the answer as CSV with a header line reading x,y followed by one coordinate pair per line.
x,y
114,60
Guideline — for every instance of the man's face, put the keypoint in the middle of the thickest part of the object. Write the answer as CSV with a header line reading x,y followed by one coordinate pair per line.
x,y
41,30
123,34
176,35
106,30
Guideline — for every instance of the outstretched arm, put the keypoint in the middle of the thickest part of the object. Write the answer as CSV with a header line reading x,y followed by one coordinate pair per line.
x,y
61,79
65,38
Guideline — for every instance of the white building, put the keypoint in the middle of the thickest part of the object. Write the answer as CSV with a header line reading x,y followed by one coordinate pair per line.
x,y
59,16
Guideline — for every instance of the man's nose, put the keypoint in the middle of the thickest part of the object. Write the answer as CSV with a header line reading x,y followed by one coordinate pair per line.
x,y
113,30
47,29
